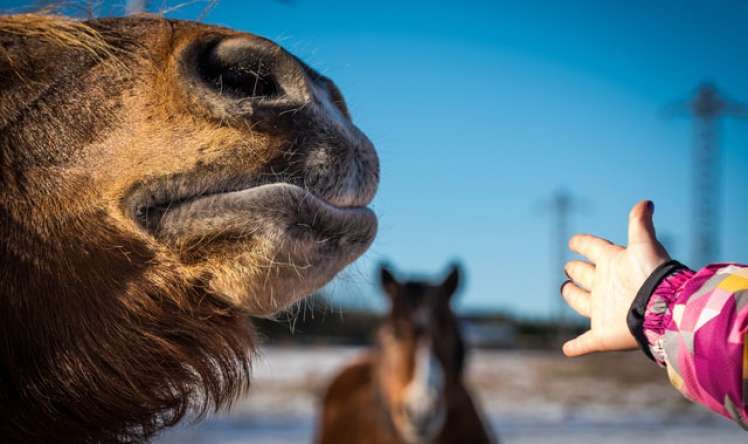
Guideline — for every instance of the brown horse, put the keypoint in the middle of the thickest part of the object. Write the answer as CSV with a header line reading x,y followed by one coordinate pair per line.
x,y
409,388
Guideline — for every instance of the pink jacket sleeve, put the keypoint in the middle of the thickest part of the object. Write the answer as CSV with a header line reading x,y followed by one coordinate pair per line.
x,y
696,324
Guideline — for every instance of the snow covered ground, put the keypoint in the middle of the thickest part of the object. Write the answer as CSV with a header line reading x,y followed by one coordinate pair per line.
x,y
529,397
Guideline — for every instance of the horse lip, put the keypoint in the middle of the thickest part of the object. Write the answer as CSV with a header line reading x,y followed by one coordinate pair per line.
x,y
153,201
149,203
162,219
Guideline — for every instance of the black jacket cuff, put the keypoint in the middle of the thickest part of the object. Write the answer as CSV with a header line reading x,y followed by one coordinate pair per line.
x,y
635,318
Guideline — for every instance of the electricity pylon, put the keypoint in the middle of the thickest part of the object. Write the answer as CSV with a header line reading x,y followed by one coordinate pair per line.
x,y
561,205
707,107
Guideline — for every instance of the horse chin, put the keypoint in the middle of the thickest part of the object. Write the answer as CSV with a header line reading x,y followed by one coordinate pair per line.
x,y
283,274
268,247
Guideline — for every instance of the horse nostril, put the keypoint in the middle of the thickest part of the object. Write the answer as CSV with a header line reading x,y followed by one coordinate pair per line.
x,y
416,417
241,68
250,80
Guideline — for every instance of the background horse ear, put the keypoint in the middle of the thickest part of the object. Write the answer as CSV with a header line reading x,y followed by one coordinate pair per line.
x,y
452,282
389,282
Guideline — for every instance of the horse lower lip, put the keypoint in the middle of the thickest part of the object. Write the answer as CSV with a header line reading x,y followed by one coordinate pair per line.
x,y
346,202
274,205
151,215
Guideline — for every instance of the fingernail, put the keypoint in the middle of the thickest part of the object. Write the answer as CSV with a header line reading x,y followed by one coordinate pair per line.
x,y
650,205
561,290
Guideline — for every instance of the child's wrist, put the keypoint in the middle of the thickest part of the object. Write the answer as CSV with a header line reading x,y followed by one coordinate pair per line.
x,y
659,311
642,305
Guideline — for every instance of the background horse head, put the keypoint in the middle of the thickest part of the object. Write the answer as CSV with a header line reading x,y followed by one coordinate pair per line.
x,y
421,354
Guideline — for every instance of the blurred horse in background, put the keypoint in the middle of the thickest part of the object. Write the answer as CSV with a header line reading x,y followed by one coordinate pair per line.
x,y
408,389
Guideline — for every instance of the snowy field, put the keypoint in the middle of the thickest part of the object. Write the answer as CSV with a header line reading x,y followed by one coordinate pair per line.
x,y
529,397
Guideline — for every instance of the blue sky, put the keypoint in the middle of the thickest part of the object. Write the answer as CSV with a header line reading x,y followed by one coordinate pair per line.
x,y
480,110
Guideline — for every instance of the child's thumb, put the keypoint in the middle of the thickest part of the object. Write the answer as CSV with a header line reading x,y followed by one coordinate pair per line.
x,y
641,227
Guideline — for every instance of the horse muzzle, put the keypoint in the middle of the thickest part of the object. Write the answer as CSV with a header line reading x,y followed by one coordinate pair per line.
x,y
422,419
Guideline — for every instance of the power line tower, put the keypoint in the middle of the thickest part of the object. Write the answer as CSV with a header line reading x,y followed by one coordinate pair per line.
x,y
707,106
561,205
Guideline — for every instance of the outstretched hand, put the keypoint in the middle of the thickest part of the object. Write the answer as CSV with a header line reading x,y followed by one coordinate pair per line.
x,y
604,288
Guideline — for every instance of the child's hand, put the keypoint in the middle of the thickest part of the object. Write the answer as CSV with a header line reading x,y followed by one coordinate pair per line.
x,y
604,289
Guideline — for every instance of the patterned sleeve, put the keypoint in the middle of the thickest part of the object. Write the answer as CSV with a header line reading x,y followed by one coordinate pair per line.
x,y
696,324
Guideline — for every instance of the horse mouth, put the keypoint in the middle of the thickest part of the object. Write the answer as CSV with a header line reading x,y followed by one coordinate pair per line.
x,y
296,239
263,239
176,213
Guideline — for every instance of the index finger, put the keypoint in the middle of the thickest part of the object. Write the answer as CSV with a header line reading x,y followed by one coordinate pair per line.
x,y
589,246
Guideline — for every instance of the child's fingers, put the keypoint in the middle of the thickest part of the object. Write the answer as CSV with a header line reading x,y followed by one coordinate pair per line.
x,y
582,273
577,298
581,345
589,246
